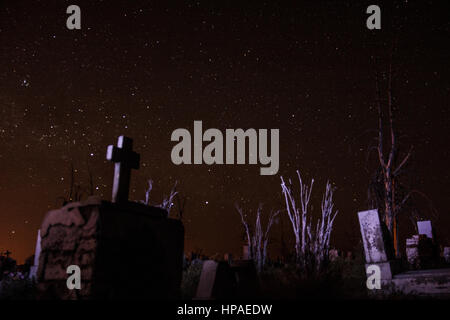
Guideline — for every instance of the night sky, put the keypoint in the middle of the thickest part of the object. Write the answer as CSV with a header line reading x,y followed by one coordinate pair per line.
x,y
143,70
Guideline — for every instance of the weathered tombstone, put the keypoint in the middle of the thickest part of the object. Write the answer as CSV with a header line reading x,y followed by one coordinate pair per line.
x,y
376,245
216,281
421,249
37,253
424,227
434,282
412,251
124,249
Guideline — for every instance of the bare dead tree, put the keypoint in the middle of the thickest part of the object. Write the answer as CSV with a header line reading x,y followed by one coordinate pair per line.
x,y
319,241
257,238
387,190
297,218
246,229
167,202
390,164
311,244
272,216
76,189
147,192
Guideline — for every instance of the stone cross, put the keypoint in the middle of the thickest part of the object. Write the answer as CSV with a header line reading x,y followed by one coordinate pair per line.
x,y
7,253
124,159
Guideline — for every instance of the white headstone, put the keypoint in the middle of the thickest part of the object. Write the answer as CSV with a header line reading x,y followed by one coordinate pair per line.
x,y
374,244
372,236
207,280
217,281
425,228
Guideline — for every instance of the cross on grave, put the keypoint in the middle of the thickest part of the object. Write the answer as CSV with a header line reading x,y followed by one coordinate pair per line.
x,y
124,159
7,253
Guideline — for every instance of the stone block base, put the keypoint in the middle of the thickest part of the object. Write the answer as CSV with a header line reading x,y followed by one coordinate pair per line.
x,y
124,251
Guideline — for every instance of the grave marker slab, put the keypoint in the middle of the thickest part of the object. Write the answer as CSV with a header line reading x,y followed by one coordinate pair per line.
x,y
216,281
247,283
376,246
376,242
372,236
125,250
424,227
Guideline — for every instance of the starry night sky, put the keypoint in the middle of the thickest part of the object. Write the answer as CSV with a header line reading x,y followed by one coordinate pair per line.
x,y
143,70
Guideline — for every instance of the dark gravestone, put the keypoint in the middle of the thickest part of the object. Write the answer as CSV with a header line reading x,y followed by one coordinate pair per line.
x,y
246,279
220,280
217,281
125,250
422,250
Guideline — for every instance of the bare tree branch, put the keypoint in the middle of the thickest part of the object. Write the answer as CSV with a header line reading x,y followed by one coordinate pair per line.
x,y
405,159
312,244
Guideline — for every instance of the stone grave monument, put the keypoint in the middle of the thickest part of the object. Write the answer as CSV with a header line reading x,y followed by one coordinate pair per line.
x,y
217,281
247,281
125,250
377,248
422,250
223,280
425,228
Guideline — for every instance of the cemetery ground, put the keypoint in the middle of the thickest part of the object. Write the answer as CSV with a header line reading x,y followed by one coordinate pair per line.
x,y
345,279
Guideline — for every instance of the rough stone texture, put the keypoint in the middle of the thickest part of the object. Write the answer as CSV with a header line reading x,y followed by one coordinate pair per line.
x,y
433,282
421,252
375,241
124,251
386,269
412,251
